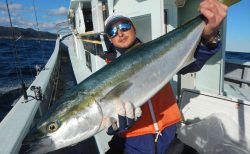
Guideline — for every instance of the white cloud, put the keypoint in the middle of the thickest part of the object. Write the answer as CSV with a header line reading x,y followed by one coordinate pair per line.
x,y
23,22
12,6
4,22
4,13
16,6
2,6
23,17
47,25
58,12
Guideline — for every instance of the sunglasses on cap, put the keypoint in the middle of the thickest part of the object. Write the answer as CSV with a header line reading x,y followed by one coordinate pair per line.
x,y
122,26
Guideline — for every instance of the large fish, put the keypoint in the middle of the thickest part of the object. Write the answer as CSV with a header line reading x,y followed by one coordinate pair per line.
x,y
134,77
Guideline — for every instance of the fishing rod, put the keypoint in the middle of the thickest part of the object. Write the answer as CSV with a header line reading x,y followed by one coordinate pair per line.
x,y
17,62
34,7
38,67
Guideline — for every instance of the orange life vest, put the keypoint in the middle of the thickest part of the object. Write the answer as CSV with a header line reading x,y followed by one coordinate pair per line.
x,y
165,110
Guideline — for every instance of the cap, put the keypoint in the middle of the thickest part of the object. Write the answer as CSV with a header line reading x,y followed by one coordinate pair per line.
x,y
115,17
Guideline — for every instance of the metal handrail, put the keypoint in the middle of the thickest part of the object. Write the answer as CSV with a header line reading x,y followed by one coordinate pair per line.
x,y
16,124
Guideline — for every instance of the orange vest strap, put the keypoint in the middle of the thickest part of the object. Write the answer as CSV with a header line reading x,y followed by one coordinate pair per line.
x,y
166,113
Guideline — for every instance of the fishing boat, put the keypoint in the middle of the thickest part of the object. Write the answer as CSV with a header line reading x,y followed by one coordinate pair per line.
x,y
214,101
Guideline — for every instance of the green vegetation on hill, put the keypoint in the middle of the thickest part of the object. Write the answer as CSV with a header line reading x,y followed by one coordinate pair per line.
x,y
29,33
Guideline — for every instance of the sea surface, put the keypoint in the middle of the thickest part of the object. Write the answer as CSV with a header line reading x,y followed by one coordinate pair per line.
x,y
18,64
242,56
27,55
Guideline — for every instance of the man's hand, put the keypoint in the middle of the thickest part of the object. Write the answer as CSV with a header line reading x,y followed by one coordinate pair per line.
x,y
126,115
215,12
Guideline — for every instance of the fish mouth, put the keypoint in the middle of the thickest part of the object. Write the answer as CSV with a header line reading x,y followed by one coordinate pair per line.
x,y
33,146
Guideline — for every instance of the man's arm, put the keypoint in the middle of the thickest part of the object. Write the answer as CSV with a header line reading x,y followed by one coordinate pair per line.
x,y
202,54
214,12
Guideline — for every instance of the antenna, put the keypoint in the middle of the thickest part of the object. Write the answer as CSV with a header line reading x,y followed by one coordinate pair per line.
x,y
34,7
19,72
37,26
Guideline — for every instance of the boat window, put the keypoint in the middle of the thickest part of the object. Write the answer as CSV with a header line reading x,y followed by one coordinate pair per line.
x,y
237,74
88,60
166,20
105,10
87,15
92,43
143,24
74,22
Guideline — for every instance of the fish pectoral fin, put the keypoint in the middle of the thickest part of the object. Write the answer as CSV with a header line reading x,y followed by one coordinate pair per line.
x,y
116,92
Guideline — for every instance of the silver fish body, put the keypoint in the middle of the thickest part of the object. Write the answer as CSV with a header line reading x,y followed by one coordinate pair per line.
x,y
134,77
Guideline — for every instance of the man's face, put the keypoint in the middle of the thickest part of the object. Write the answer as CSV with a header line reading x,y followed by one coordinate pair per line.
x,y
123,39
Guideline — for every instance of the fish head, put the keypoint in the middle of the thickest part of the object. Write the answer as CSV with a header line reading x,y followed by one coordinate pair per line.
x,y
64,127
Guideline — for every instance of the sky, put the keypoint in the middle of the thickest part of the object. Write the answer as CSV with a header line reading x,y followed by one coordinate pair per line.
x,y
51,12
238,27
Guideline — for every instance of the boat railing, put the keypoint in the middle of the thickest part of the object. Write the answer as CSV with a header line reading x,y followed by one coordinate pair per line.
x,y
17,122
237,72
63,28
63,31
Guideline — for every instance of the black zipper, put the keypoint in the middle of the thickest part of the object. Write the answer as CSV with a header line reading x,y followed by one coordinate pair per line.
x,y
155,135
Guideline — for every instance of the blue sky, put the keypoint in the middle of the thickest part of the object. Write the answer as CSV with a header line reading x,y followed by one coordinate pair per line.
x,y
50,12
238,27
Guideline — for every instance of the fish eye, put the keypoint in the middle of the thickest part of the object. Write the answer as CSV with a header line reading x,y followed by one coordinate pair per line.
x,y
52,126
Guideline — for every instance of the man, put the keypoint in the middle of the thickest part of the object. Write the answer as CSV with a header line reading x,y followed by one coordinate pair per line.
x,y
155,129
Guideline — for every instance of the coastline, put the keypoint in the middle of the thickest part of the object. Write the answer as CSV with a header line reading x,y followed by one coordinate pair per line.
x,y
27,34
29,38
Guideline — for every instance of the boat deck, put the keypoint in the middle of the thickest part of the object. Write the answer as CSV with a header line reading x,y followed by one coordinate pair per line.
x,y
66,81
236,92
79,72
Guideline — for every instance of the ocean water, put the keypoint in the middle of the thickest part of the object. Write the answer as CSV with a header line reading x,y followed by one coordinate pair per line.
x,y
243,56
28,54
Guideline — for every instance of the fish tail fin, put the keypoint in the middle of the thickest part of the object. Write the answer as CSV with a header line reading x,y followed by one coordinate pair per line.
x,y
229,2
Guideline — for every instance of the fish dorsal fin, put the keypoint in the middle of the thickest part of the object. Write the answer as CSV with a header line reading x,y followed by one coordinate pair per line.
x,y
116,92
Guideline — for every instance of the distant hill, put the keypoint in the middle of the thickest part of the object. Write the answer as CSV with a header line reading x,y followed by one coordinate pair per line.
x,y
29,33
